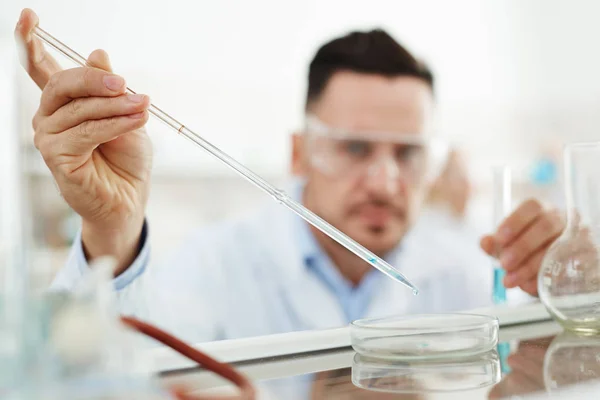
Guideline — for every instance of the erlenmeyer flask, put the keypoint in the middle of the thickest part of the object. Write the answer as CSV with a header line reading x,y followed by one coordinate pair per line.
x,y
569,279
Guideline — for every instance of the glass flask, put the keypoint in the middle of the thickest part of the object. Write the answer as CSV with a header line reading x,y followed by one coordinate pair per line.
x,y
569,278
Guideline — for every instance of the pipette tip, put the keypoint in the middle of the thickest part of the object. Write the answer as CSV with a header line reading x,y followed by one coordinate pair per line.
x,y
400,278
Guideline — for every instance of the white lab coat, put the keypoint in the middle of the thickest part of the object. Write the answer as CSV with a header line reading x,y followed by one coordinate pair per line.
x,y
246,278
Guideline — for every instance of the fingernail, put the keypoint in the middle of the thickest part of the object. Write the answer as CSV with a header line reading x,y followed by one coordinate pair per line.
x,y
136,98
114,82
506,259
136,115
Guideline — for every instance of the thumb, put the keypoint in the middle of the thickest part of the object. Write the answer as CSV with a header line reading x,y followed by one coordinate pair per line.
x,y
487,244
38,63
99,59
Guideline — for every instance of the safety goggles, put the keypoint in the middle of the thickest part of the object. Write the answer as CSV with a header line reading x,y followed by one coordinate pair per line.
x,y
410,158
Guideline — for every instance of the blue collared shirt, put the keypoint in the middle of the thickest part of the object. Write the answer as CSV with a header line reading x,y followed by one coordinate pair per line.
x,y
353,300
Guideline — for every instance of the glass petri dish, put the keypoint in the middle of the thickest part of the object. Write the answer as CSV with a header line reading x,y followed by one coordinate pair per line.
x,y
425,336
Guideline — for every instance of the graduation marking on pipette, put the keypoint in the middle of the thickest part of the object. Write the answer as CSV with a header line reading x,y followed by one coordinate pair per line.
x,y
253,178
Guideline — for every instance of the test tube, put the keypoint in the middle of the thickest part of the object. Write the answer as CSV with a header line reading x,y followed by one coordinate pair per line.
x,y
501,197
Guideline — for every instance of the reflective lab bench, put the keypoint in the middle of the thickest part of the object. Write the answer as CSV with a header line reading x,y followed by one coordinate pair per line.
x,y
534,358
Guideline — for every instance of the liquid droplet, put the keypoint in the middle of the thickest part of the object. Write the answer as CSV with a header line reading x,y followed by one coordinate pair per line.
x,y
415,292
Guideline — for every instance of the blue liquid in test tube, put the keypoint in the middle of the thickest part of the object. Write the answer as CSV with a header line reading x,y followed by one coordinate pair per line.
x,y
499,295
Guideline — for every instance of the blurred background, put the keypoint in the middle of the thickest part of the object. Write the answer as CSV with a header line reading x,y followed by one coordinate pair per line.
x,y
516,79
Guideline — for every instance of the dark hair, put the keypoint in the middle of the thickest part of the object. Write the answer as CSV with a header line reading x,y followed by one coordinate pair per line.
x,y
373,52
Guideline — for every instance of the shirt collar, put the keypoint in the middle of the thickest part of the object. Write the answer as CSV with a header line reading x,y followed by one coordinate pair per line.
x,y
308,246
307,243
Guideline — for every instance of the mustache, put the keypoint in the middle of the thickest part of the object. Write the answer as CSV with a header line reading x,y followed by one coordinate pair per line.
x,y
394,208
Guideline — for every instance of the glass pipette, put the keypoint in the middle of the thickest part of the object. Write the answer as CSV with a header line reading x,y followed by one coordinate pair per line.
x,y
277,194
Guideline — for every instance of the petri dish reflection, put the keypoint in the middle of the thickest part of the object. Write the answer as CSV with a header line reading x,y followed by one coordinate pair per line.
x,y
389,376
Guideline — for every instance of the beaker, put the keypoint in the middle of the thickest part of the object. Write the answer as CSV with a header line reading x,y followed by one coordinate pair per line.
x,y
569,278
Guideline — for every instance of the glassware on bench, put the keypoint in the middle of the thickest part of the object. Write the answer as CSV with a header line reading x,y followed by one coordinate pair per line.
x,y
569,279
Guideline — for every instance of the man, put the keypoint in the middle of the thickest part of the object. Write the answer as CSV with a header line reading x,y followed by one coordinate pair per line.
x,y
364,160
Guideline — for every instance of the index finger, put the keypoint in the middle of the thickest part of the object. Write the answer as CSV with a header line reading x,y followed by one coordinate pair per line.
x,y
38,63
516,222
79,82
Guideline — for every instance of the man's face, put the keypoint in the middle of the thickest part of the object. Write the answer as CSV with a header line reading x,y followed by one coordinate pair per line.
x,y
374,208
